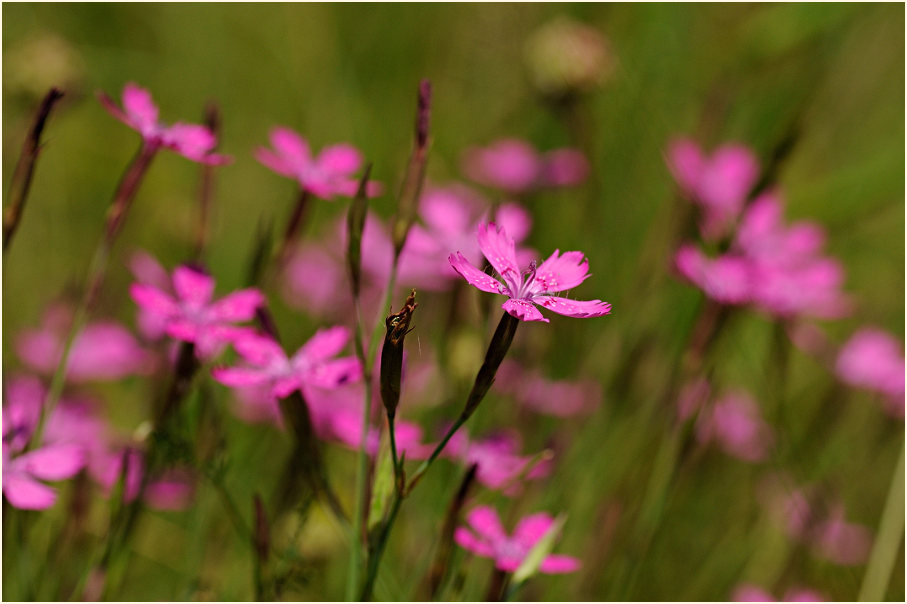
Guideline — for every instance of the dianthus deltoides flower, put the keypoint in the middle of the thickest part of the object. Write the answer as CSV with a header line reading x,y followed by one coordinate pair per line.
x,y
139,112
487,538
328,174
872,359
189,313
537,285
513,166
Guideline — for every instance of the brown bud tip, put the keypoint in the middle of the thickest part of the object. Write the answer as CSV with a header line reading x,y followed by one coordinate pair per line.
x,y
392,353
423,114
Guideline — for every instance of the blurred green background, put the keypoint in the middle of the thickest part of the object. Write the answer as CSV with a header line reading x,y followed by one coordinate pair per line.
x,y
831,74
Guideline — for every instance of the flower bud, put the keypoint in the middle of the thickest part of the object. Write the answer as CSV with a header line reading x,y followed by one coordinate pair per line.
x,y
392,353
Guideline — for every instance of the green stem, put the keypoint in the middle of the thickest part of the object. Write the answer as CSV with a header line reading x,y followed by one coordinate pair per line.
x,y
888,540
374,559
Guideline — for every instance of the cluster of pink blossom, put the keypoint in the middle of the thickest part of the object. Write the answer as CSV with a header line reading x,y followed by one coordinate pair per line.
x,y
751,593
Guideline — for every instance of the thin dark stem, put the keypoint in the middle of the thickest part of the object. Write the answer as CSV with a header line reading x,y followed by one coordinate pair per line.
x,y
374,559
294,226
439,567
25,168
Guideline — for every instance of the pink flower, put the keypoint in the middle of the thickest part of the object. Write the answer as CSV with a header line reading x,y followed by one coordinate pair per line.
x,y
190,315
558,273
22,474
734,423
872,359
267,363
840,541
146,269
486,537
751,593
719,184
499,463
776,268
141,114
173,490
560,398
329,174
53,461
515,167
103,350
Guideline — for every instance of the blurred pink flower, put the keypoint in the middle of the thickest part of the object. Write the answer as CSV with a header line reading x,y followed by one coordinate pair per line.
x,y
141,114
515,167
500,465
558,273
103,350
22,474
313,364
330,173
872,359
734,423
750,593
777,269
173,490
560,398
725,279
840,541
719,184
486,537
53,460
189,313
146,269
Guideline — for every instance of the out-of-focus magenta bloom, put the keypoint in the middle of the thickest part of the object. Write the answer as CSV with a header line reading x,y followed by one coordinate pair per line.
x,y
750,593
486,537
190,315
734,423
23,472
872,359
840,541
500,465
313,364
103,350
725,279
825,528
776,268
139,112
146,269
173,490
513,166
558,273
719,184
330,173
561,398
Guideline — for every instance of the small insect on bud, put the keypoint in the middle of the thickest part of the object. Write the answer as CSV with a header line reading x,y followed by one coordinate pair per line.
x,y
392,353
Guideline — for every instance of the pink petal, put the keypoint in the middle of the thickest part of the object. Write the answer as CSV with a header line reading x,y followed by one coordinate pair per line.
x,y
261,351
192,286
24,493
238,306
339,159
751,593
140,108
53,462
326,343
148,270
557,564
574,308
729,175
285,386
523,310
498,248
292,148
511,165
276,162
514,219
153,300
485,522
474,276
107,351
191,141
173,492
685,162
184,330
532,528
448,210
565,167
239,377
334,373
468,541
800,594
559,273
